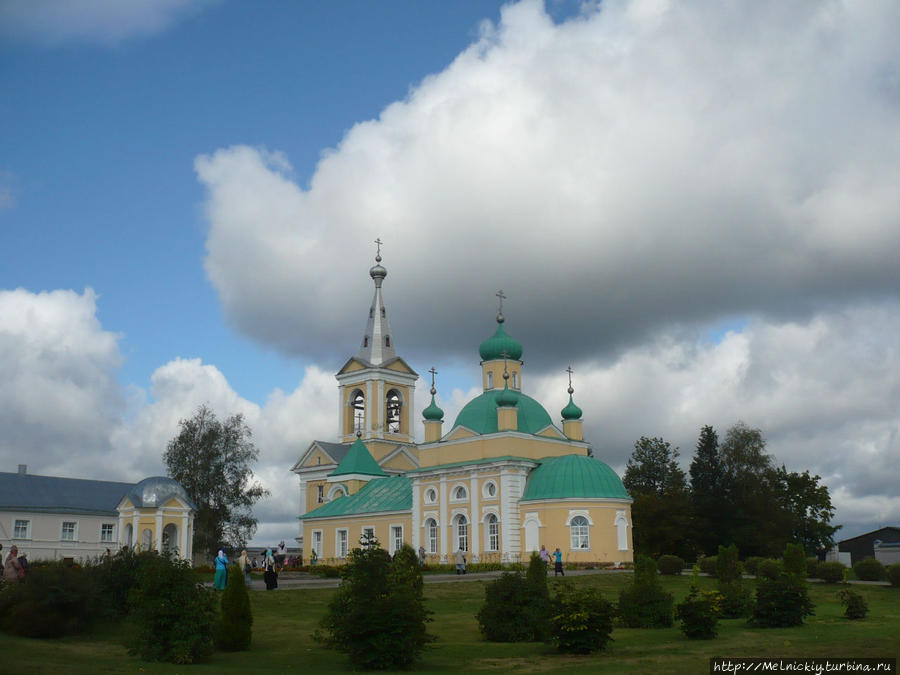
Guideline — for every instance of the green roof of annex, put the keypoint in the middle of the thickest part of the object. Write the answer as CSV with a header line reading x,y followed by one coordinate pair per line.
x,y
377,496
573,477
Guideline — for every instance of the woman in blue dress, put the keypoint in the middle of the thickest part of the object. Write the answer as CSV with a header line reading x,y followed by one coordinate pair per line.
x,y
221,578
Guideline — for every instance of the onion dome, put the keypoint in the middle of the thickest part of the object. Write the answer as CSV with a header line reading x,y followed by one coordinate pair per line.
x,y
571,411
507,398
432,412
500,345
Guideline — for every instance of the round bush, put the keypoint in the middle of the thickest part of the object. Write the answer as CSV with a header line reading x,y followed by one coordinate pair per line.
x,y
893,574
670,564
768,569
855,604
581,621
708,565
699,614
751,564
831,572
869,569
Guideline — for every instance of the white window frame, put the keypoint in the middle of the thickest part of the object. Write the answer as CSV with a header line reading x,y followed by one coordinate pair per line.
x,y
316,543
107,527
490,380
515,380
461,531
339,550
26,534
320,494
62,530
428,491
431,535
395,545
333,493
456,488
583,532
485,489
491,538
621,525
367,528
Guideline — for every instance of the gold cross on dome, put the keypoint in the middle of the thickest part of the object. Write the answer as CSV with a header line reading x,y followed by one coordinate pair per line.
x,y
378,252
433,373
502,297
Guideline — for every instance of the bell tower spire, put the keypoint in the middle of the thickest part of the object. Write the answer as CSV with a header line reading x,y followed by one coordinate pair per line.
x,y
378,343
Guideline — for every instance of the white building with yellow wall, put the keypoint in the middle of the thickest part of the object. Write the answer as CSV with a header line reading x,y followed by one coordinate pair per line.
x,y
502,481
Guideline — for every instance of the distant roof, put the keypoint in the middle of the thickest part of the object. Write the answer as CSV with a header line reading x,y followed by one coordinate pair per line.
x,y
336,450
873,533
358,460
155,491
51,494
380,494
574,476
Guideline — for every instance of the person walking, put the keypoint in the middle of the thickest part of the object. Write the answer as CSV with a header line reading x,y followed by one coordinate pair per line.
x,y
221,578
460,561
270,576
12,569
244,564
421,556
558,569
545,556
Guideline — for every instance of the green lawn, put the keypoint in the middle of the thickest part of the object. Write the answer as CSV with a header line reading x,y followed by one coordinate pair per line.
x,y
285,619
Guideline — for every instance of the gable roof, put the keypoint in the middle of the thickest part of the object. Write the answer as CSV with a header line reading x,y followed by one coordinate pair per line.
x,y
337,452
381,494
52,494
358,461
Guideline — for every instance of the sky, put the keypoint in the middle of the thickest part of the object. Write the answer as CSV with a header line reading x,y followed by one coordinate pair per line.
x,y
693,204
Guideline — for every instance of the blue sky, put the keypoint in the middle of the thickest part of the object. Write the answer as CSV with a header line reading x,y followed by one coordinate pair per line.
x,y
694,205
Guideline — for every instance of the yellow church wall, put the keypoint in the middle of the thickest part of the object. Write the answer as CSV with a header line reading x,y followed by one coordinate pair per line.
x,y
603,533
400,463
381,523
352,366
484,447
495,368
318,458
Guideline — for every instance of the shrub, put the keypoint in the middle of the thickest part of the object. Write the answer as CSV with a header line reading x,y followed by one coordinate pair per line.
x,y
869,569
538,609
856,605
830,572
699,614
781,602
768,569
53,600
581,620
708,565
795,560
172,616
751,564
378,616
728,566
735,599
327,571
812,564
644,604
893,574
233,632
504,615
670,564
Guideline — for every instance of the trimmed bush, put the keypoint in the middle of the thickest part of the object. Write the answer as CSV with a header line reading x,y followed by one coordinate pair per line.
x,y
644,604
172,616
781,602
670,565
504,615
831,572
893,574
855,604
735,599
795,560
751,564
581,620
233,632
538,609
699,614
708,565
768,569
869,569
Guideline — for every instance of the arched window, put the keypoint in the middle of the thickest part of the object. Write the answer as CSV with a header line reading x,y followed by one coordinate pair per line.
x,y
461,527
459,493
492,533
336,492
129,535
393,405
146,540
490,380
358,404
170,538
387,340
515,379
431,535
366,341
578,529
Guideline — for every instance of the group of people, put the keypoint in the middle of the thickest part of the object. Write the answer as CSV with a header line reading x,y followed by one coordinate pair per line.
x,y
557,558
15,565
270,567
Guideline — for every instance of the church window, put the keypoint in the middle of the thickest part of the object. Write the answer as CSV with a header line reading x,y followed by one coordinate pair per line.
x,y
368,536
387,340
336,492
578,529
490,489
371,312
490,380
358,404
146,540
129,534
515,379
493,533
396,538
393,405
107,530
622,530
430,496
431,533
366,341
21,529
317,542
68,531
459,493
340,547
462,532
169,538
320,494
382,312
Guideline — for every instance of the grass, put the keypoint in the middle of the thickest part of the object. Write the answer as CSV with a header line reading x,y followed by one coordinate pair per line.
x,y
284,621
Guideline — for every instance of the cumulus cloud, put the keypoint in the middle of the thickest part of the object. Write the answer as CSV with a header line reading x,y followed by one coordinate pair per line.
x,y
53,22
638,166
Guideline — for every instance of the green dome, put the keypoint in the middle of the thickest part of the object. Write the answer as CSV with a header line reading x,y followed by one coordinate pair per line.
x,y
507,398
574,476
432,412
571,411
493,348
480,414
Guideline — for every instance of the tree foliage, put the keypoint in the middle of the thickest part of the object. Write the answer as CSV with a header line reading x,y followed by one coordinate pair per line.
x,y
234,630
581,620
709,500
808,508
213,461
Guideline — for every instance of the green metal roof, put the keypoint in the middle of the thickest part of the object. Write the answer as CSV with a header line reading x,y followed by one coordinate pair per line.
x,y
500,342
358,460
572,476
486,460
381,494
480,414
433,412
571,411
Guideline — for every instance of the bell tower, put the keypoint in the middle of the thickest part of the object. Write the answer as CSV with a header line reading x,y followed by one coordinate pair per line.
x,y
377,387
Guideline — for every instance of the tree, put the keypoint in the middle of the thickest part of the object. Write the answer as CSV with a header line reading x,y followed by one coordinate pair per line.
x,y
661,504
212,460
808,508
708,496
234,629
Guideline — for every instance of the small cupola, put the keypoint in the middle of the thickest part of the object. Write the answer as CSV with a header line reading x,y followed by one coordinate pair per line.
x,y
507,412
433,415
571,415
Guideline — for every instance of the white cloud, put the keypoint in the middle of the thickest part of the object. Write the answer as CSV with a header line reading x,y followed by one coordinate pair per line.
x,y
52,22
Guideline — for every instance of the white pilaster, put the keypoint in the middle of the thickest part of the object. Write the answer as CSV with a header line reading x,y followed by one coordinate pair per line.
x,y
183,545
371,409
381,410
159,531
445,522
416,515
475,539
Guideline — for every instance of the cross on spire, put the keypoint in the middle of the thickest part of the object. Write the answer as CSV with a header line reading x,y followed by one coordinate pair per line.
x,y
378,252
502,297
433,373
570,371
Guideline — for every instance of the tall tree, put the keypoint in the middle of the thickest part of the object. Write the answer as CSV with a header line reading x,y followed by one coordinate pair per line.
x,y
213,460
808,508
708,493
661,504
